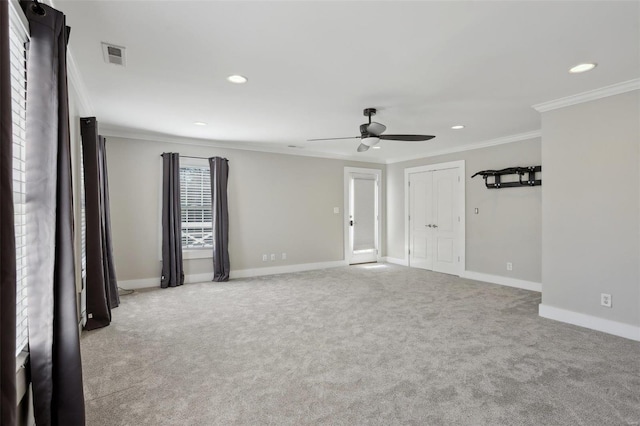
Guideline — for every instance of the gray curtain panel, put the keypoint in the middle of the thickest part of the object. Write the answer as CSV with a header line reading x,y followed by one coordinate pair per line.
x,y
54,344
109,265
7,236
219,169
172,271
102,286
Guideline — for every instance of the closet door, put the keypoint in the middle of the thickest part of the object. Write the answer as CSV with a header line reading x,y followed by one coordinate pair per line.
x,y
445,221
420,220
434,220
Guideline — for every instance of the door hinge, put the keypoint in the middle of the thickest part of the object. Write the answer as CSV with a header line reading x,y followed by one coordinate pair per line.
x,y
409,217
409,251
458,218
409,183
458,258
458,178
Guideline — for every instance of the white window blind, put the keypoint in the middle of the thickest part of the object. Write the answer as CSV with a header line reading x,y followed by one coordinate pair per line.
x,y
17,39
83,220
195,203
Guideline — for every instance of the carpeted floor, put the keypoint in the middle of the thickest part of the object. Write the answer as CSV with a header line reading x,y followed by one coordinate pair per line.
x,y
361,345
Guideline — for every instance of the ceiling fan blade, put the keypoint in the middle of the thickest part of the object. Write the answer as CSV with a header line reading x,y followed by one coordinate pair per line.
x,y
362,147
332,139
376,129
407,138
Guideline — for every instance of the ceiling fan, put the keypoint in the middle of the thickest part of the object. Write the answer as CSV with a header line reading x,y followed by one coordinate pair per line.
x,y
371,134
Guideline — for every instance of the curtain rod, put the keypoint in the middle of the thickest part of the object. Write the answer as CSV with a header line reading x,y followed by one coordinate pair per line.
x,y
189,156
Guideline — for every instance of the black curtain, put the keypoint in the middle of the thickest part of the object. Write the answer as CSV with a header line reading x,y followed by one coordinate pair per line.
x,y
219,169
101,282
172,271
54,346
7,237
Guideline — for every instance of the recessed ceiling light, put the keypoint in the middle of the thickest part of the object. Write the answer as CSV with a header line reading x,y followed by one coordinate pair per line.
x,y
376,147
582,68
237,79
457,127
200,123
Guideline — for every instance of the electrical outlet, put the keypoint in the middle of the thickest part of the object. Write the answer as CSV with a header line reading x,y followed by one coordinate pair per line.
x,y
284,256
509,266
605,300
273,257
336,210
264,257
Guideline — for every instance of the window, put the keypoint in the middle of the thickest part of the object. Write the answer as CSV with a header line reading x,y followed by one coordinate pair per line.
x,y
18,58
195,204
83,220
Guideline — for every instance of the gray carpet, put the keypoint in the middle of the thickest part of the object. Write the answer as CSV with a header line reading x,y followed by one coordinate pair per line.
x,y
370,344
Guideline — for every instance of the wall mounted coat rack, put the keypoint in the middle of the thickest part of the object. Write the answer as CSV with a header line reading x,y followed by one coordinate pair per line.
x,y
520,171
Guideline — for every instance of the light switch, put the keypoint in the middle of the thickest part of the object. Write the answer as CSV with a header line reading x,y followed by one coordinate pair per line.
x,y
336,210
476,210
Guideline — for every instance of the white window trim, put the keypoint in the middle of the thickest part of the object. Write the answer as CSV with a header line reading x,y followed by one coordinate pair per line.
x,y
197,253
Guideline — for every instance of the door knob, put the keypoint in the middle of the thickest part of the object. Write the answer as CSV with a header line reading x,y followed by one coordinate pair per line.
x,y
428,225
435,226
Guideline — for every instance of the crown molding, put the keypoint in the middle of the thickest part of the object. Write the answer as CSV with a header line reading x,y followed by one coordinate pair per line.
x,y
591,95
137,135
469,147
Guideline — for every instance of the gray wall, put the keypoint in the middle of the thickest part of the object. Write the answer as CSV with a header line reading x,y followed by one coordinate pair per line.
x,y
507,228
590,207
277,203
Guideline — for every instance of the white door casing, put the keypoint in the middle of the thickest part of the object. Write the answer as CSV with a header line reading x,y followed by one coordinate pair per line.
x,y
435,219
362,215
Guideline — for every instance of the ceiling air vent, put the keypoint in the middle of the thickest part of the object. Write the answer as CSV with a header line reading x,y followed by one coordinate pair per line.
x,y
113,54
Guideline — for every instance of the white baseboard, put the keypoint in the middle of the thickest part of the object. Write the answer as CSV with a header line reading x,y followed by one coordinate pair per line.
x,y
616,328
507,281
138,284
395,260
241,273
272,270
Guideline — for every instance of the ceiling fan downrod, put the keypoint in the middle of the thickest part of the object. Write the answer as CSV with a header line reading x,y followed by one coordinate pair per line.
x,y
369,112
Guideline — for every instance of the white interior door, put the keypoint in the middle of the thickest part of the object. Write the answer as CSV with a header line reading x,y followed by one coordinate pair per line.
x,y
420,219
434,220
363,227
445,221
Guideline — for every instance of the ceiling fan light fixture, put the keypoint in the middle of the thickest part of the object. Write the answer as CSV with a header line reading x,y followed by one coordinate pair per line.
x,y
376,147
237,79
199,123
457,127
583,68
370,141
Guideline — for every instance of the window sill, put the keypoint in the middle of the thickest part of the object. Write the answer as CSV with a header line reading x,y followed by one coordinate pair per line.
x,y
206,253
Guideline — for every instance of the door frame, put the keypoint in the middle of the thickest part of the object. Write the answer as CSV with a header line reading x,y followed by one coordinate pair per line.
x,y
345,209
460,165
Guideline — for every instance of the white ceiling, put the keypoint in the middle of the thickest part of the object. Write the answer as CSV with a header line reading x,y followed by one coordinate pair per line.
x,y
313,67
